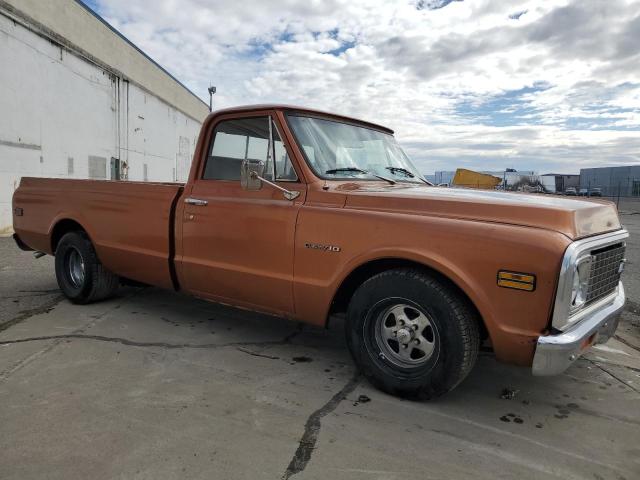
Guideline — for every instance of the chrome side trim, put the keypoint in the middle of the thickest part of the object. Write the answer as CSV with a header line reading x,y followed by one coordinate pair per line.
x,y
562,319
555,353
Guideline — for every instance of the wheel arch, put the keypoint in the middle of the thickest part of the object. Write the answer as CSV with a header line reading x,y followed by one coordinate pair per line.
x,y
369,268
61,227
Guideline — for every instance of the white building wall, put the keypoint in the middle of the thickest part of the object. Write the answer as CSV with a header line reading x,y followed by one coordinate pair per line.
x,y
549,183
60,112
159,136
73,24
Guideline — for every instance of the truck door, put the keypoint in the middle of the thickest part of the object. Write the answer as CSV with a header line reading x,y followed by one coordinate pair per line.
x,y
237,245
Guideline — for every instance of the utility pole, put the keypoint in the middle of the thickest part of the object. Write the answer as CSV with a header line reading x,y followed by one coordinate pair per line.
x,y
212,91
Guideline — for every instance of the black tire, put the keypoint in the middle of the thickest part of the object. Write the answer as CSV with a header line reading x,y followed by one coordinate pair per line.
x,y
451,333
94,282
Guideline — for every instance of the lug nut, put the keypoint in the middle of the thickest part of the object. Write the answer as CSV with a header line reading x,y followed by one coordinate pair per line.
x,y
416,341
415,327
402,323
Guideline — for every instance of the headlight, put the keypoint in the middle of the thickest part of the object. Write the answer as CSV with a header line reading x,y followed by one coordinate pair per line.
x,y
574,287
580,287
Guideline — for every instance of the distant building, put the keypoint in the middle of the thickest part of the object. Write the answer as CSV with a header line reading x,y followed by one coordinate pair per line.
x,y
559,182
442,177
613,181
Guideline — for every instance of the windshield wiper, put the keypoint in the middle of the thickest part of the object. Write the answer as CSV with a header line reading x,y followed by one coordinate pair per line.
x,y
345,169
407,173
401,170
359,170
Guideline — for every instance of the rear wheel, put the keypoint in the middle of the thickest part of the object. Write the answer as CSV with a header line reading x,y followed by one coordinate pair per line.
x,y
411,333
81,276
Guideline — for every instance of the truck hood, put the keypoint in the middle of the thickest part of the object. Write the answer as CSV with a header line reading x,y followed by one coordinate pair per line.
x,y
575,218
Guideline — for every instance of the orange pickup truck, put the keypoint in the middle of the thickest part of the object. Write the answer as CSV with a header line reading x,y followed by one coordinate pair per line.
x,y
305,215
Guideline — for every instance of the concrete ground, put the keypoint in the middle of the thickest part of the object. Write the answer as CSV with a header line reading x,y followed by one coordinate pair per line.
x,y
156,385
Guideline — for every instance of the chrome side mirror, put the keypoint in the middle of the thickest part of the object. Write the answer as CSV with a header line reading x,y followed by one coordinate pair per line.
x,y
251,179
251,172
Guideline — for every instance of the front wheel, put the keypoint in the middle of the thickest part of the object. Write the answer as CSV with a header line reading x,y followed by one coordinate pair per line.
x,y
81,276
411,333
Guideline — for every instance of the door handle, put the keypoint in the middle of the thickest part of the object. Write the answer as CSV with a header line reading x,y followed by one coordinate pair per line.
x,y
196,201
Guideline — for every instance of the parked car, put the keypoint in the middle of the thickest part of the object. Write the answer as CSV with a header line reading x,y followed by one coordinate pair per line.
x,y
583,192
308,215
595,192
571,191
532,189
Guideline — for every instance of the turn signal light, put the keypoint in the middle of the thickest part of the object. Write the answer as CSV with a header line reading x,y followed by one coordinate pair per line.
x,y
519,281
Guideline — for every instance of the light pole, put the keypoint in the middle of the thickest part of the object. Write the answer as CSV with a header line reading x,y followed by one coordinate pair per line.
x,y
212,91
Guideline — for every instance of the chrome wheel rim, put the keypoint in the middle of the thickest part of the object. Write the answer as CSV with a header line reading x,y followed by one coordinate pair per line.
x,y
75,263
405,335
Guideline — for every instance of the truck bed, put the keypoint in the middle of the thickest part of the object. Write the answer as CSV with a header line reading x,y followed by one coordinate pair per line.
x,y
131,224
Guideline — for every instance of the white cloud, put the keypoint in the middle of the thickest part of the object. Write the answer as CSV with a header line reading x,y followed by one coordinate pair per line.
x,y
485,84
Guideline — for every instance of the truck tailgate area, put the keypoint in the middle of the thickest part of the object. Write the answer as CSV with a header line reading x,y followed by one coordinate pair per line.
x,y
130,223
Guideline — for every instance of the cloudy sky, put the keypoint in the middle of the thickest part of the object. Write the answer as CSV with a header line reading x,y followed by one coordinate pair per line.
x,y
487,84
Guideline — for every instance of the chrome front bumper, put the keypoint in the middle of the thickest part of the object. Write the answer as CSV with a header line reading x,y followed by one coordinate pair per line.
x,y
554,353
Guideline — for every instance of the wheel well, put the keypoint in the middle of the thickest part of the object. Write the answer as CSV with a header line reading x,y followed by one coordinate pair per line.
x,y
364,272
61,228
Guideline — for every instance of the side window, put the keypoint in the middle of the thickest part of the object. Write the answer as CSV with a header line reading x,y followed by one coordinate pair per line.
x,y
234,141
284,168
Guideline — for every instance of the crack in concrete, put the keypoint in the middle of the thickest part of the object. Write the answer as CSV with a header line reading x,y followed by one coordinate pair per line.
x,y
312,429
619,365
24,315
4,375
626,342
597,364
29,295
124,341
132,343
44,292
257,354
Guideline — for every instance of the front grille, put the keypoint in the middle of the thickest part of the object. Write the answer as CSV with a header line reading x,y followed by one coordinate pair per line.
x,y
605,271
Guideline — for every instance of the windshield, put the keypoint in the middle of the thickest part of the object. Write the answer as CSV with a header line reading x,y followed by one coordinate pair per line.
x,y
338,150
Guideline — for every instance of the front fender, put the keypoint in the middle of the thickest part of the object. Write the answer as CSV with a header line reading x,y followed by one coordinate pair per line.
x,y
469,253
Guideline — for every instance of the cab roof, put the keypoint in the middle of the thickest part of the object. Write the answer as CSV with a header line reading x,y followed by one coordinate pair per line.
x,y
304,110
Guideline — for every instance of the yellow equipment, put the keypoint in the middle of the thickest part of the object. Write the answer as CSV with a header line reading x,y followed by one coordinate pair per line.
x,y
471,179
